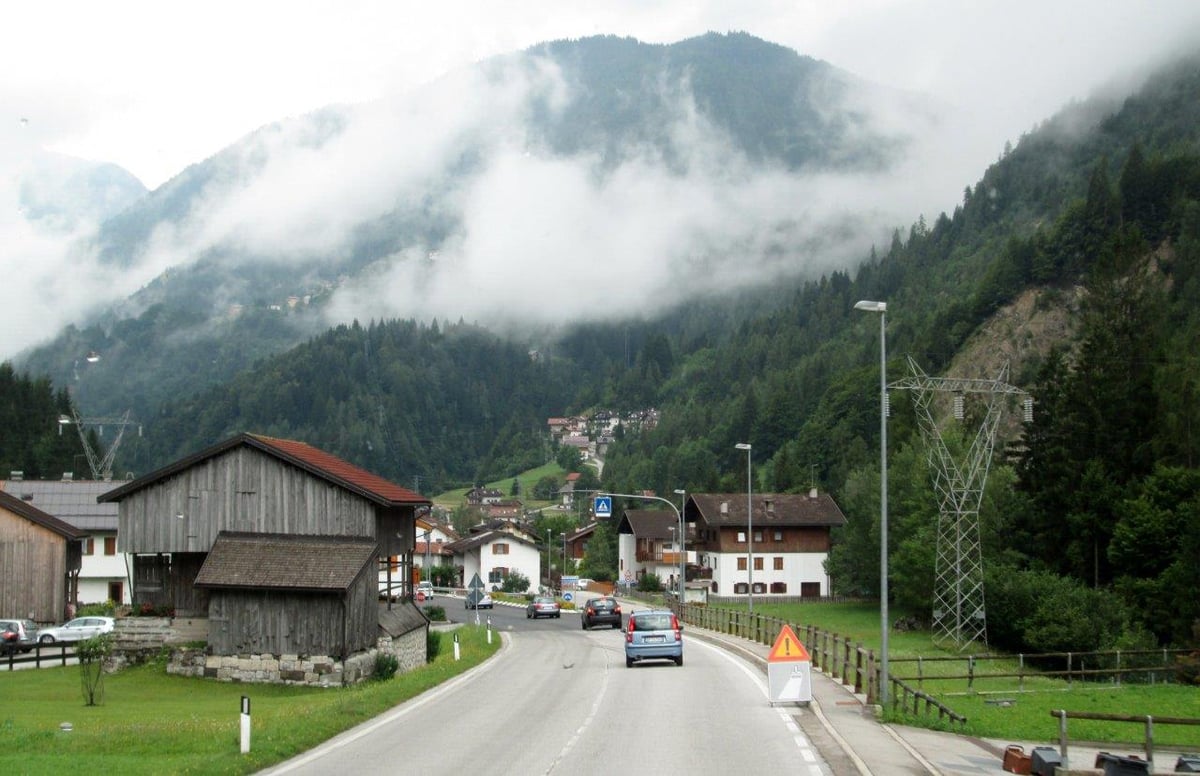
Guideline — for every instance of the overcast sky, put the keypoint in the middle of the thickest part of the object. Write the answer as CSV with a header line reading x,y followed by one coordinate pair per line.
x,y
156,86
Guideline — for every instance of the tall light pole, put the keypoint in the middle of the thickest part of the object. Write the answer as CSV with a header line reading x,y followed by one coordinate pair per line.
x,y
682,545
881,308
563,534
548,581
749,527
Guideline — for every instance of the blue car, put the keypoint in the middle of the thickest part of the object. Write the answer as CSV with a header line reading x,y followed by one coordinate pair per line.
x,y
653,635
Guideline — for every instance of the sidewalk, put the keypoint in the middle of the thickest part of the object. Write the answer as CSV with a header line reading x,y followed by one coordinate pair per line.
x,y
852,740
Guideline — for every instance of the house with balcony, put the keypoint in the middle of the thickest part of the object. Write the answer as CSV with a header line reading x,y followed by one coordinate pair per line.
x,y
648,543
783,537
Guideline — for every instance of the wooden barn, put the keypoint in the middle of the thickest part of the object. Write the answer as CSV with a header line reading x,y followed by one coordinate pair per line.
x,y
275,541
40,557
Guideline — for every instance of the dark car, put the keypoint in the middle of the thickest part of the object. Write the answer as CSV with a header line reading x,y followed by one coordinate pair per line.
x,y
17,635
601,611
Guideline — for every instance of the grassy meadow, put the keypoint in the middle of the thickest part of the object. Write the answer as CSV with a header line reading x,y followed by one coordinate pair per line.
x,y
152,723
1005,707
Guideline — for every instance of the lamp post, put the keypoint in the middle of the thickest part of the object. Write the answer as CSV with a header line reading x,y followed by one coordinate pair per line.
x,y
668,502
881,308
749,528
682,544
563,534
549,582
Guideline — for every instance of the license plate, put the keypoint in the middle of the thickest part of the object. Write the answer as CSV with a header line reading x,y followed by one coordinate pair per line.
x,y
655,639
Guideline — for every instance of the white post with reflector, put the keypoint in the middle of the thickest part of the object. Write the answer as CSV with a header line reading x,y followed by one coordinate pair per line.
x,y
245,724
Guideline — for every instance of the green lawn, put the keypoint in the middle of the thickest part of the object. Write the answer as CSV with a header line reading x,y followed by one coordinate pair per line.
x,y
152,723
1028,716
528,478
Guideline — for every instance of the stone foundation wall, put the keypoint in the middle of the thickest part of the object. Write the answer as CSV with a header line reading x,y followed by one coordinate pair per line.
x,y
311,670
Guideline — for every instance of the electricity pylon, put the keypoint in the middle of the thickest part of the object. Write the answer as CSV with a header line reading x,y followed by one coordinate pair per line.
x,y
101,466
959,615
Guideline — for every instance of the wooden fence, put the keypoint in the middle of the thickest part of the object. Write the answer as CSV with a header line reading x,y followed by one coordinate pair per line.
x,y
49,654
1142,719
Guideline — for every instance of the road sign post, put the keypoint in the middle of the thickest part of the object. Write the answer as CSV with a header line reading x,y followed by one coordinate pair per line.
x,y
602,506
789,669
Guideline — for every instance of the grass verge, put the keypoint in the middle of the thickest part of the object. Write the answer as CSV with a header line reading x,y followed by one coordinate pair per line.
x,y
152,723
1027,717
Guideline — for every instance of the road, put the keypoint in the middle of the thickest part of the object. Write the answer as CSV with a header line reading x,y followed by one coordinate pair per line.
x,y
559,700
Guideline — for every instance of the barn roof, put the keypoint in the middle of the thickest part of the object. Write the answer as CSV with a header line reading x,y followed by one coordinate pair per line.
x,y
316,462
285,561
770,509
35,515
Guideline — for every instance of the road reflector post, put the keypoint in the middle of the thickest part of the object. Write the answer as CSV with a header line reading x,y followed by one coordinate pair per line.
x,y
245,724
489,629
456,652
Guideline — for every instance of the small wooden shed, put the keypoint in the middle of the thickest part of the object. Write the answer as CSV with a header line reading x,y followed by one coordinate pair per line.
x,y
40,558
307,595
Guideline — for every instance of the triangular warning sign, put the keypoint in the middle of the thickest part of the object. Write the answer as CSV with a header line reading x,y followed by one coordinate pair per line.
x,y
788,648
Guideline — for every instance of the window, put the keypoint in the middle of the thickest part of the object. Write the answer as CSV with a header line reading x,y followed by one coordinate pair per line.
x,y
758,536
779,587
741,537
110,545
779,536
740,588
500,548
758,563
89,546
760,587
810,589
741,564
497,575
778,563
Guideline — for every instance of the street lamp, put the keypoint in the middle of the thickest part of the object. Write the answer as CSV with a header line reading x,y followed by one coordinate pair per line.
x,y
881,308
549,583
563,534
682,545
749,528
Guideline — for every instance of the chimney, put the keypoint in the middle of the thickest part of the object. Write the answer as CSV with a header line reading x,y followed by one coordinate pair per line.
x,y
770,507
724,507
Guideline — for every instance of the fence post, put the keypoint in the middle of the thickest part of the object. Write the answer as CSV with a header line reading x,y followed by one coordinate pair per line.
x,y
872,677
1021,672
1150,741
970,671
1068,669
1062,737
920,672
1118,668
858,667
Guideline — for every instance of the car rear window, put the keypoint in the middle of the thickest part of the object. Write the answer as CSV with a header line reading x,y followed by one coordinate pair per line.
x,y
653,622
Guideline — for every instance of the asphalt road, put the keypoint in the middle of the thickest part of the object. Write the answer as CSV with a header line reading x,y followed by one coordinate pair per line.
x,y
559,700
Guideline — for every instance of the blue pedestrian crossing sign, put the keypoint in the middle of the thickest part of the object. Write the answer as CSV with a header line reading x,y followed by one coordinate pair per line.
x,y
602,506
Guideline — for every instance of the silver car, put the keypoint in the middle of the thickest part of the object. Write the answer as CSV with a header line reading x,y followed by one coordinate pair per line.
x,y
76,630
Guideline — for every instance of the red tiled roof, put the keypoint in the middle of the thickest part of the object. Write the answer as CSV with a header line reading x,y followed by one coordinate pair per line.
x,y
317,462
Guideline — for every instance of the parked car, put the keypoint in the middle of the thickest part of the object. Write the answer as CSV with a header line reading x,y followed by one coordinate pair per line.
x,y
653,635
543,606
17,635
485,602
601,611
424,588
76,630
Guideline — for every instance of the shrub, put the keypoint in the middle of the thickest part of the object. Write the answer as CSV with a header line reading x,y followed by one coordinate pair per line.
x,y
435,613
649,583
386,666
91,653
104,609
515,582
433,645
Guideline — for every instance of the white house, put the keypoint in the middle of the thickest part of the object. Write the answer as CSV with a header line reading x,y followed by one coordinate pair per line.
x,y
104,573
791,540
494,554
648,543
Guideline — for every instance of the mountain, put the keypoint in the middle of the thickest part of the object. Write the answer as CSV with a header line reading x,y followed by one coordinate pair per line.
x,y
60,193
491,195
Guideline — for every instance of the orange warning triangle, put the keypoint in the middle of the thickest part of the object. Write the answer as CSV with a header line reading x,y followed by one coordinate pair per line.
x,y
788,647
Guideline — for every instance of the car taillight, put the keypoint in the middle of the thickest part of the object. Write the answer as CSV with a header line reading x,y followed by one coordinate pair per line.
x,y
616,610
675,627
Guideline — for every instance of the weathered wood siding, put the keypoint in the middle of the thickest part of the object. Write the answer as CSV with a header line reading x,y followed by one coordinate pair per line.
x,y
290,623
241,490
33,570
